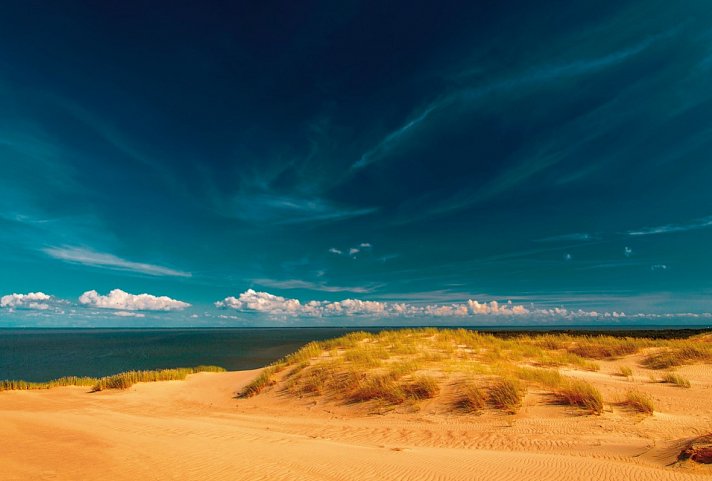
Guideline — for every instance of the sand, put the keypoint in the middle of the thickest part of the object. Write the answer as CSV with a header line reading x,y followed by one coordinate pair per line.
x,y
197,430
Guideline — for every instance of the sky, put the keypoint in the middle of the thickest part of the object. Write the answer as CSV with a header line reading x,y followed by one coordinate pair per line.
x,y
355,163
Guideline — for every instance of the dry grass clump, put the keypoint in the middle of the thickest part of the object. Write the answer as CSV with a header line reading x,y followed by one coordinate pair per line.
x,y
382,387
639,401
583,395
367,357
607,347
625,371
676,379
471,399
679,353
122,380
564,358
506,394
546,377
422,387
264,380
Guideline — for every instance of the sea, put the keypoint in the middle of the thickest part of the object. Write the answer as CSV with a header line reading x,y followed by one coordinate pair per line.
x,y
44,354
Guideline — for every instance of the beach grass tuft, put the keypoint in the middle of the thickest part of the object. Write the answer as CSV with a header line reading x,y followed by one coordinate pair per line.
x,y
583,395
471,398
625,371
676,379
639,401
506,394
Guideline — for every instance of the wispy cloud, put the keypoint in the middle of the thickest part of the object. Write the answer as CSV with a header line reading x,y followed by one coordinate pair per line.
x,y
670,228
79,255
582,237
314,286
583,66
533,76
392,138
282,209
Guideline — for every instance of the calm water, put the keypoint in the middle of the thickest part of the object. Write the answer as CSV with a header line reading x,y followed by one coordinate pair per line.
x,y
44,354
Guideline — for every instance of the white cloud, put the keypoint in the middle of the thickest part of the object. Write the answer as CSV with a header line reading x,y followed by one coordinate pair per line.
x,y
354,306
352,251
32,300
129,314
120,300
88,257
267,303
494,307
273,305
262,302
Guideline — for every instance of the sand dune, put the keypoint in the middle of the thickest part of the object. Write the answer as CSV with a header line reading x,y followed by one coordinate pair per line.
x,y
197,430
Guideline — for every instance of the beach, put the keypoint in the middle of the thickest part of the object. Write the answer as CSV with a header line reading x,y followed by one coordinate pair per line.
x,y
197,429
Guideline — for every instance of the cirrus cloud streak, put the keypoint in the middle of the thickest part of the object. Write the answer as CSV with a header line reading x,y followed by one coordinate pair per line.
x,y
79,255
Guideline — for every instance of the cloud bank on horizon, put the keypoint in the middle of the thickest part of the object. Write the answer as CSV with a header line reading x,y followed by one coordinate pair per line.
x,y
333,164
271,309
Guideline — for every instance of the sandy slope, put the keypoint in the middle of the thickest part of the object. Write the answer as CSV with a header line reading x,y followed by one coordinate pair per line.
x,y
196,430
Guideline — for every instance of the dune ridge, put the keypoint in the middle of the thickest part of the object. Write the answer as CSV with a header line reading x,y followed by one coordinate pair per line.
x,y
198,429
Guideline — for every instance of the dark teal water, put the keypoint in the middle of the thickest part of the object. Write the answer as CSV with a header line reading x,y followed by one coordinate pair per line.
x,y
44,354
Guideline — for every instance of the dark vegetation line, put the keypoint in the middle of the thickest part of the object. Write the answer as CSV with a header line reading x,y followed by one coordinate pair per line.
x,y
123,380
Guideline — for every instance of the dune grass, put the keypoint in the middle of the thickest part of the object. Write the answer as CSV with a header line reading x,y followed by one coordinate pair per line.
x,y
122,380
583,395
127,379
625,371
484,370
506,394
639,401
471,399
676,379
19,385
677,354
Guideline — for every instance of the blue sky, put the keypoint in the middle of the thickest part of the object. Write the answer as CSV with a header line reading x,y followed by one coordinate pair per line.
x,y
232,162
